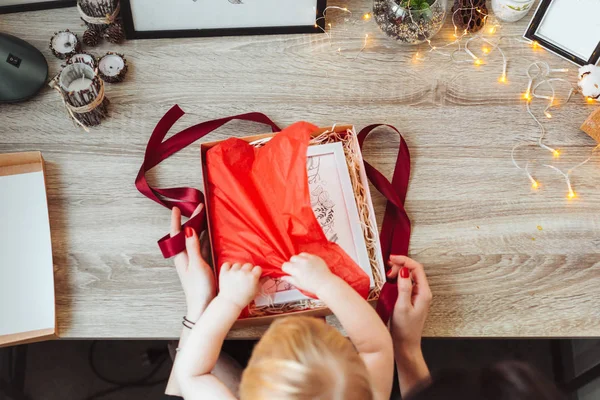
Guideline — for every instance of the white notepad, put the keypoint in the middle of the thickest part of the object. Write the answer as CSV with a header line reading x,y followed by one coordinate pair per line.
x,y
26,271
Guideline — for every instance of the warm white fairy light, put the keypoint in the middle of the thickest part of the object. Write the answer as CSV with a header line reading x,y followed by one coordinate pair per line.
x,y
542,76
363,47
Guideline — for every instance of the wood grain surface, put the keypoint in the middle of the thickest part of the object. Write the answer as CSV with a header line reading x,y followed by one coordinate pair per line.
x,y
502,260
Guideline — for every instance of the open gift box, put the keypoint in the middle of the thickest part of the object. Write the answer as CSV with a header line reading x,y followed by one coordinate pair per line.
x,y
341,201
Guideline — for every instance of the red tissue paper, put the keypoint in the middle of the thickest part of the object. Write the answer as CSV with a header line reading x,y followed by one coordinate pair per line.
x,y
260,209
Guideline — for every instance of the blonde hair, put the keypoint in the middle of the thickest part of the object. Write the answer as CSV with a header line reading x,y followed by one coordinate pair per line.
x,y
302,358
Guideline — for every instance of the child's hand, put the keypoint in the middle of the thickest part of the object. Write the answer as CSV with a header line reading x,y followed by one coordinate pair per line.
x,y
412,306
307,272
239,283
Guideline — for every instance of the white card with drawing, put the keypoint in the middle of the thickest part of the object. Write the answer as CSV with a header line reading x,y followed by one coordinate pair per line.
x,y
333,202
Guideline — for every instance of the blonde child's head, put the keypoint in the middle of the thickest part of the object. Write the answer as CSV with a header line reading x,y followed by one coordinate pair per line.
x,y
304,358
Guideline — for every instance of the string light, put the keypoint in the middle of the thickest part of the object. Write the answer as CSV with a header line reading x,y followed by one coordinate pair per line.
x,y
542,74
541,78
363,47
535,81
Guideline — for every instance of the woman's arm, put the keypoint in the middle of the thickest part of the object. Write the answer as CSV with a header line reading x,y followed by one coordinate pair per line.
x,y
362,324
238,286
197,280
408,321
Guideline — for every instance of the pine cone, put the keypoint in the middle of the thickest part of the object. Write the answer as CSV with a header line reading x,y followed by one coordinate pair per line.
x,y
91,37
115,33
471,14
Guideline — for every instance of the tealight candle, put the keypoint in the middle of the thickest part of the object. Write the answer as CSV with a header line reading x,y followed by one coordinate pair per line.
x,y
112,67
64,44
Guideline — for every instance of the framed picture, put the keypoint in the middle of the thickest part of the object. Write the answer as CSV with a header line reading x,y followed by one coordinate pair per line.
x,y
334,205
152,19
10,6
570,29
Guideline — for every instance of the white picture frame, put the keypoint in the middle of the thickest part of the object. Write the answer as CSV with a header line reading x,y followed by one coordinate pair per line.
x,y
570,29
334,204
151,19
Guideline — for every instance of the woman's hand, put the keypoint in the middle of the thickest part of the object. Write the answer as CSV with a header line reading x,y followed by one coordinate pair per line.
x,y
412,306
408,321
307,272
196,276
238,283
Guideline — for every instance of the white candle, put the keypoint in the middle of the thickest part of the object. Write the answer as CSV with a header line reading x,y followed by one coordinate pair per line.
x,y
79,84
64,42
111,64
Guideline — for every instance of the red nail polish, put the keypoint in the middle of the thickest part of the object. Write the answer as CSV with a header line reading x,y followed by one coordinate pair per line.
x,y
189,232
389,272
404,272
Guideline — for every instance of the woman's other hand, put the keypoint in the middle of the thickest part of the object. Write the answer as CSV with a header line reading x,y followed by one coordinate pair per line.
x,y
412,306
196,276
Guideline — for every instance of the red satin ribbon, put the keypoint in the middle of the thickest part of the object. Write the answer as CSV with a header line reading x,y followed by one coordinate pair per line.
x,y
395,231
185,198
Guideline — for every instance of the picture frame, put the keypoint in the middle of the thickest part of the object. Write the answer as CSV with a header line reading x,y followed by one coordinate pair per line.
x,y
186,18
13,6
567,29
330,188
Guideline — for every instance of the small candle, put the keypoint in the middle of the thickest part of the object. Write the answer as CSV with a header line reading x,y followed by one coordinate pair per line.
x,y
79,84
64,43
112,67
111,64
83,93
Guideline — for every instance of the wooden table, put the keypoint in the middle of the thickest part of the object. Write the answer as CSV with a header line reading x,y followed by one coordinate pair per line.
x,y
502,260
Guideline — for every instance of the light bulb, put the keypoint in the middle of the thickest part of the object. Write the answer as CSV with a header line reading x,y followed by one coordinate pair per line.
x,y
535,44
527,95
366,16
590,100
492,29
535,185
571,194
478,61
556,153
502,78
486,50
547,114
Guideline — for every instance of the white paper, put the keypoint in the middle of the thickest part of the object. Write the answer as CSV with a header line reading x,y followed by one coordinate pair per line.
x,y
334,205
160,15
573,26
26,272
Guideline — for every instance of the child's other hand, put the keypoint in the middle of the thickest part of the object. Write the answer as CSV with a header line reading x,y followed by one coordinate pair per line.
x,y
239,283
412,306
307,272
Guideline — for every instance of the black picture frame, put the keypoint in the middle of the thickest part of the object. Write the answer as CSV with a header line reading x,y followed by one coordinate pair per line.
x,y
44,5
132,33
530,34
